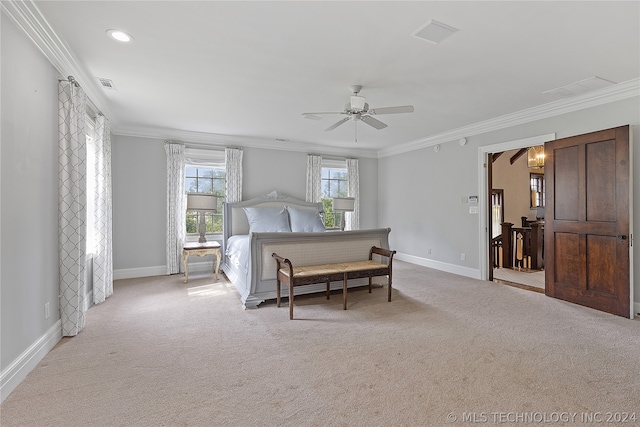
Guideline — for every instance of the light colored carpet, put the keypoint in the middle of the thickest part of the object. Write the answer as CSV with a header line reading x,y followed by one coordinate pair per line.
x,y
161,352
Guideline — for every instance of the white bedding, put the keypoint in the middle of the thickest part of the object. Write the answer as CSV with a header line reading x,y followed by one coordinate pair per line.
x,y
238,251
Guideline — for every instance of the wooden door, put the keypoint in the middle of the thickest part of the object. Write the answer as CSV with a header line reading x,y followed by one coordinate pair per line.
x,y
489,164
587,220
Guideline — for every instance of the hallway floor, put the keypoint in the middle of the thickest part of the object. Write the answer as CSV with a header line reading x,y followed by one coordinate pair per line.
x,y
534,279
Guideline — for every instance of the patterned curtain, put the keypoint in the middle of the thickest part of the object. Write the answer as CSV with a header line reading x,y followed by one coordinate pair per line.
x,y
314,178
72,155
352,219
103,258
233,166
176,205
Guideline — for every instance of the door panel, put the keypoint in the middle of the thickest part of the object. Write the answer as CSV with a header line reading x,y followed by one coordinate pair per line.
x,y
567,253
601,252
567,180
587,220
601,181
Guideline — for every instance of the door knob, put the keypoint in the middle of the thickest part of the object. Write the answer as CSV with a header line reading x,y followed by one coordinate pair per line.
x,y
622,237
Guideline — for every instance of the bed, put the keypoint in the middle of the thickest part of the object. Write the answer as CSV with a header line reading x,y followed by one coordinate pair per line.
x,y
247,247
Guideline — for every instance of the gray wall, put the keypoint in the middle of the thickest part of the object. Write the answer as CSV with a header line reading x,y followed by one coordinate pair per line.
x,y
139,179
29,205
422,190
139,195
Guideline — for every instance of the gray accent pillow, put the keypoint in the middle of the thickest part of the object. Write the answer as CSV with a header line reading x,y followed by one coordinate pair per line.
x,y
267,219
305,220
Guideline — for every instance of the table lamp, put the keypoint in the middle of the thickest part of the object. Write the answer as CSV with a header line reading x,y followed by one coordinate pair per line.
x,y
202,203
342,205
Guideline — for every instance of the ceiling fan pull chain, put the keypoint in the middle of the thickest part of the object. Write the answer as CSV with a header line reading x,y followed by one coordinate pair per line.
x,y
355,129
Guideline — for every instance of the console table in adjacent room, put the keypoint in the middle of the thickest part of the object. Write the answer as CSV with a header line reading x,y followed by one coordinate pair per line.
x,y
200,249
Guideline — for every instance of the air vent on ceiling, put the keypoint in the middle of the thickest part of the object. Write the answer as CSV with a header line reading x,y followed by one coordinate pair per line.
x,y
434,31
580,87
106,83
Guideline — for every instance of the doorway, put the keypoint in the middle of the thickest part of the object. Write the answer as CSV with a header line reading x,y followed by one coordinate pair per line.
x,y
588,217
484,190
516,180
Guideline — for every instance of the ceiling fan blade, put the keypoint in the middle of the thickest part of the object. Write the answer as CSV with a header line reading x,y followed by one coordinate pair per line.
x,y
323,112
332,127
392,110
373,122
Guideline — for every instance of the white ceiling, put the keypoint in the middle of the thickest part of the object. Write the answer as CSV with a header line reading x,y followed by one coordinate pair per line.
x,y
246,71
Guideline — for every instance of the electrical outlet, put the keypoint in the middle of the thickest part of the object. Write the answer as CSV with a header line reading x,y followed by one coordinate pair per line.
x,y
463,256
47,310
428,251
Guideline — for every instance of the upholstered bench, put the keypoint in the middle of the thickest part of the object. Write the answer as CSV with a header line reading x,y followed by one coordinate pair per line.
x,y
326,273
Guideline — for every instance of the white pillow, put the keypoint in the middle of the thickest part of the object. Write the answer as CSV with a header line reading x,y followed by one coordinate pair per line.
x,y
267,219
305,220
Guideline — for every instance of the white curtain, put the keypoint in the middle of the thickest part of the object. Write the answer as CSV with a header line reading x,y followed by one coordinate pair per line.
x,y
233,167
176,205
72,155
314,178
353,218
103,257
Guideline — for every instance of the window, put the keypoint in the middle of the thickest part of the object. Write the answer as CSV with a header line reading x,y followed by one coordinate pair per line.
x,y
210,180
497,212
537,190
90,133
335,183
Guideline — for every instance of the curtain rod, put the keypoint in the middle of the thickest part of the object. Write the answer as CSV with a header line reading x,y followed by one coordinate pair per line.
x,y
72,80
333,157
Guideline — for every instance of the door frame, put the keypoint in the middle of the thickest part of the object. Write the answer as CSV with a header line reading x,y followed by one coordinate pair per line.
x,y
483,190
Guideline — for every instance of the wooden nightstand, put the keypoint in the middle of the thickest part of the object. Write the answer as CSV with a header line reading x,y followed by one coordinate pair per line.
x,y
200,249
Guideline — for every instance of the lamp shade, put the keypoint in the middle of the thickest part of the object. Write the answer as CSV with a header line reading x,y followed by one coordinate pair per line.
x,y
202,202
344,204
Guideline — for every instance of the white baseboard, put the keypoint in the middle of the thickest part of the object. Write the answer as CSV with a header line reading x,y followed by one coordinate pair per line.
x,y
438,265
160,270
132,273
18,370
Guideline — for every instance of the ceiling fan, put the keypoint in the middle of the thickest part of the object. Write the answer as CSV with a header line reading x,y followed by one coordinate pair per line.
x,y
358,110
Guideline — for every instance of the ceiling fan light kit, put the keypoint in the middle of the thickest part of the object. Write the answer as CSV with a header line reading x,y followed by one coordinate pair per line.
x,y
358,110
358,103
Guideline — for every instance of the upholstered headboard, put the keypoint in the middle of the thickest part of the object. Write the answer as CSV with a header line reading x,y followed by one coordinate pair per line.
x,y
235,219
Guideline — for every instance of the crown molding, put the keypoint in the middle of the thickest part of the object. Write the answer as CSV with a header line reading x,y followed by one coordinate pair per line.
x,y
594,98
221,140
26,15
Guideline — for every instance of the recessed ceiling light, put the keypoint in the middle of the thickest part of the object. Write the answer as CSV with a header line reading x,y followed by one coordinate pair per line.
x,y
434,31
120,36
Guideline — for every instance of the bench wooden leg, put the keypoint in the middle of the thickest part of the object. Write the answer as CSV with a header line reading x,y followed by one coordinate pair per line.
x,y
328,290
290,301
277,293
389,296
344,292
369,284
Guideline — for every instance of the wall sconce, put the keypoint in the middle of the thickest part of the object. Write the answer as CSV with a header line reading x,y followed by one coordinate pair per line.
x,y
535,156
343,204
202,203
